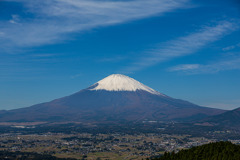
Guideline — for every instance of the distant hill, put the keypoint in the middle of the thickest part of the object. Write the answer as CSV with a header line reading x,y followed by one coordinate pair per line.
x,y
229,119
112,99
211,151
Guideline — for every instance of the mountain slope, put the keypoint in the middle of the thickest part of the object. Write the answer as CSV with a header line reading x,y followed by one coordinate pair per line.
x,y
227,119
115,98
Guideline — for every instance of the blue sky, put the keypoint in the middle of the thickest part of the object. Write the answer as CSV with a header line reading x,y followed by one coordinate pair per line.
x,y
183,48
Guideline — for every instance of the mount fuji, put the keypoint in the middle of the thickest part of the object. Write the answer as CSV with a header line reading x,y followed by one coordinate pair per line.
x,y
112,99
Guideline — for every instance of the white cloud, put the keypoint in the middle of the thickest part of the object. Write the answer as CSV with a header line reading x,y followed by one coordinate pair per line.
x,y
228,48
44,55
76,76
112,59
228,105
232,63
184,45
185,67
54,20
15,19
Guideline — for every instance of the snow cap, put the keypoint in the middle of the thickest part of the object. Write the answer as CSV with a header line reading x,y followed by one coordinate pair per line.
x,y
119,82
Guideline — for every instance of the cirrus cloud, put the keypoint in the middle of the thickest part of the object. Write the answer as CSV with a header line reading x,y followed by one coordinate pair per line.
x,y
183,46
232,63
52,21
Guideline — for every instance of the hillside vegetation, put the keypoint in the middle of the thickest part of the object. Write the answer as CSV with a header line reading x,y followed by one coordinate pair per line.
x,y
212,151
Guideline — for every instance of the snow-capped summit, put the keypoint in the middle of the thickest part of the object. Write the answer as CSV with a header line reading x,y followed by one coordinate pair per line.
x,y
119,82
116,98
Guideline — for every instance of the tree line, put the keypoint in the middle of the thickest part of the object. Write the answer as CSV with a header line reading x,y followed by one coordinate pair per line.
x,y
212,151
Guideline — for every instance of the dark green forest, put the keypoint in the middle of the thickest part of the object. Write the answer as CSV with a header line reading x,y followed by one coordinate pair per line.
x,y
212,151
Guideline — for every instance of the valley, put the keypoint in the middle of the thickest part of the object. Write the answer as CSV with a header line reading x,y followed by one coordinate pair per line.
x,y
122,141
116,118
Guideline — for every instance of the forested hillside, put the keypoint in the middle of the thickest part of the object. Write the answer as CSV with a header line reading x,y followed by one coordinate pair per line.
x,y
211,151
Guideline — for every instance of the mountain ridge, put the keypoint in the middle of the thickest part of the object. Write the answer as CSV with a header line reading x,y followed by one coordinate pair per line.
x,y
229,119
135,103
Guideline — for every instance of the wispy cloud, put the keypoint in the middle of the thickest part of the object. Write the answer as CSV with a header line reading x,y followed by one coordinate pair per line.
x,y
15,19
185,67
76,76
44,55
220,65
223,104
112,59
52,21
228,48
183,46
